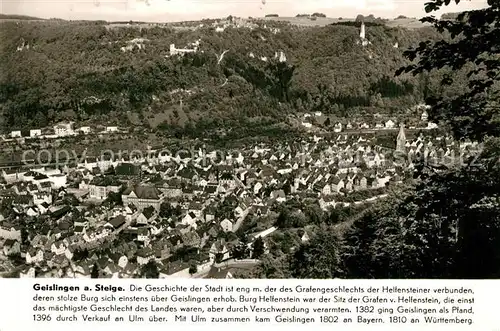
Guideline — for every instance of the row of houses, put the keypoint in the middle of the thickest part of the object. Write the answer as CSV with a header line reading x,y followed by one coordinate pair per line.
x,y
63,129
309,120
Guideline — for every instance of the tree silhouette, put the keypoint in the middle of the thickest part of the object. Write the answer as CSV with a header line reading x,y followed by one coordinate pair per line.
x,y
95,271
474,112
458,211
193,268
24,235
284,219
240,251
80,254
258,248
318,259
219,257
150,270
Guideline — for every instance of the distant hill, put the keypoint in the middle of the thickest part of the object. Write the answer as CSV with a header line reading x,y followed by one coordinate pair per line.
x,y
358,24
450,16
19,17
305,20
85,71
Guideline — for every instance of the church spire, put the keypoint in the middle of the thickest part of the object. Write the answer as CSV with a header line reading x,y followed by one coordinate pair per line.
x,y
401,139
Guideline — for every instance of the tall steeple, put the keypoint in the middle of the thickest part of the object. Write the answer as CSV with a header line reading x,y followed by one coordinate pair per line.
x,y
401,139
362,36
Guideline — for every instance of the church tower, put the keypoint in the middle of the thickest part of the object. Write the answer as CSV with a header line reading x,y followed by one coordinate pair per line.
x,y
401,139
362,36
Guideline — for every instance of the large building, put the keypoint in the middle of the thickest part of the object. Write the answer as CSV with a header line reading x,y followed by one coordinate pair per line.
x,y
99,188
142,196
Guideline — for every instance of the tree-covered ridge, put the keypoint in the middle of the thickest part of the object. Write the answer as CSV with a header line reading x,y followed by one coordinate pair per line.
x,y
18,17
77,70
473,50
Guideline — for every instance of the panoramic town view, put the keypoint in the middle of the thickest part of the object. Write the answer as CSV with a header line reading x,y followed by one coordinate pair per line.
x,y
257,147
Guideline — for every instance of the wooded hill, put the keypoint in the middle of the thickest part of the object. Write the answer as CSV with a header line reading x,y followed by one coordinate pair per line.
x,y
56,70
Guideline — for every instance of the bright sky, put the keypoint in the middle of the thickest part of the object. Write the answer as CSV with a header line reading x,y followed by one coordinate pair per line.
x,y
176,10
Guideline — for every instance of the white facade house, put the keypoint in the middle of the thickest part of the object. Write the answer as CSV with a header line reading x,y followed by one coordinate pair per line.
x,y
226,225
58,181
34,255
425,116
85,129
15,134
280,56
8,231
431,126
35,133
41,197
337,128
63,129
390,124
100,192
29,272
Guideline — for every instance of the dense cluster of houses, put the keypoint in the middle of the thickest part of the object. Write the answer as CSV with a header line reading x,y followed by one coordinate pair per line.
x,y
180,211
312,120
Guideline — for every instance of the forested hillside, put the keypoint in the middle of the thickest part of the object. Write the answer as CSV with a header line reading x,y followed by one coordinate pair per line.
x,y
55,70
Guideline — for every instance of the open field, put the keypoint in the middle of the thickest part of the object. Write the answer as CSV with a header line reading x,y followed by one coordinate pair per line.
x,y
409,23
305,21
